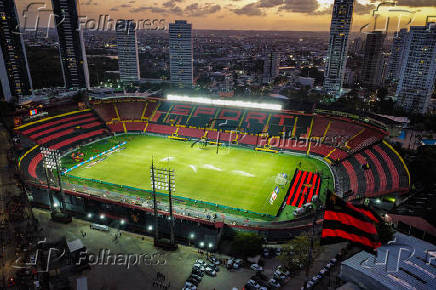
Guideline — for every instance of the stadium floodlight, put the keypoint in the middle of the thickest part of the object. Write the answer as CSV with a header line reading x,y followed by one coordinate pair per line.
x,y
123,221
210,245
150,228
56,205
102,216
89,215
163,179
201,244
51,160
229,103
191,236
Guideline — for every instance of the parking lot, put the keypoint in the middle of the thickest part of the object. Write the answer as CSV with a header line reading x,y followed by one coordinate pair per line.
x,y
176,269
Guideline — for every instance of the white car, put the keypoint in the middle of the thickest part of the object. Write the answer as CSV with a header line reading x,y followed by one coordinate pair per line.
x,y
211,272
191,286
253,284
274,283
256,267
283,270
279,275
200,261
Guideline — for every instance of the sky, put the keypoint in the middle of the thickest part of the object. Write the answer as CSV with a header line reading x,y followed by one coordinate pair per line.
x,y
280,15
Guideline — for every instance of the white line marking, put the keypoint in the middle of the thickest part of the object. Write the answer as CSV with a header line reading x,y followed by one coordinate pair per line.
x,y
193,168
209,166
167,159
243,173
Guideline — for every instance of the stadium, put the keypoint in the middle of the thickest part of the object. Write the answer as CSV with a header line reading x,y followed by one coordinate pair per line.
x,y
245,165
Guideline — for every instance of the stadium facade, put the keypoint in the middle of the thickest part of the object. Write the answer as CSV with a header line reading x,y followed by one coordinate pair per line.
x,y
336,60
14,70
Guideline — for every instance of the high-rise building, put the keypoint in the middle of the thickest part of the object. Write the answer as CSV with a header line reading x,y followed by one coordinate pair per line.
x,y
371,75
181,54
71,45
418,69
14,71
271,67
337,52
127,50
396,57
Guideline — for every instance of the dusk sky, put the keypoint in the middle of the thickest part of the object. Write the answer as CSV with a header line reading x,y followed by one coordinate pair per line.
x,y
289,15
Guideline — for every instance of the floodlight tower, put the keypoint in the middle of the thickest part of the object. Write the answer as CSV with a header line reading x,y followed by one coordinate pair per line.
x,y
163,179
51,161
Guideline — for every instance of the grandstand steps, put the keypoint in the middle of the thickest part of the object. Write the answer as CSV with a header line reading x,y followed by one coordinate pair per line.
x,y
116,112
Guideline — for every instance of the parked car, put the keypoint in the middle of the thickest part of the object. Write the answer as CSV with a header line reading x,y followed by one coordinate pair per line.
x,y
274,283
193,281
195,276
253,284
198,266
213,266
283,270
209,271
256,267
214,260
197,272
191,286
200,261
279,275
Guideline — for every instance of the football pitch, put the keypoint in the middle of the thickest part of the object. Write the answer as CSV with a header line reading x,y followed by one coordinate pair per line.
x,y
235,177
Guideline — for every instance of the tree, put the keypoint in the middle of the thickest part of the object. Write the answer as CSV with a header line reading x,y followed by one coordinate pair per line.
x,y
385,232
295,254
246,244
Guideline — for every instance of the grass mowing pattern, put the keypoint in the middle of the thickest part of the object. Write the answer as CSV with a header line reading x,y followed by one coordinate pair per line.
x,y
235,177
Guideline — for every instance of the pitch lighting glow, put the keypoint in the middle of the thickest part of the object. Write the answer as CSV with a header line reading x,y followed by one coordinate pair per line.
x,y
216,102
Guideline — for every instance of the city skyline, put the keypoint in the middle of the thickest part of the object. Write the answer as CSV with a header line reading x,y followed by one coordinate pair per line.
x,y
280,15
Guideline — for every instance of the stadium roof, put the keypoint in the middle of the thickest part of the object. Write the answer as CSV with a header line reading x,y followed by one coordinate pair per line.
x,y
404,264
415,222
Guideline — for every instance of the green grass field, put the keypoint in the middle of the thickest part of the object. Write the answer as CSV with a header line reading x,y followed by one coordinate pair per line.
x,y
235,177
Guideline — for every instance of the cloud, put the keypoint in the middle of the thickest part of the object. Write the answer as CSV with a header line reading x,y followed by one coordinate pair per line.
x,y
270,3
88,3
149,8
196,10
300,6
363,9
251,9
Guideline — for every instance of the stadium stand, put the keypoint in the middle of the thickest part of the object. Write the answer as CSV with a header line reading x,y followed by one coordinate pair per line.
x,y
362,163
60,132
378,170
335,137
